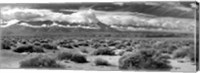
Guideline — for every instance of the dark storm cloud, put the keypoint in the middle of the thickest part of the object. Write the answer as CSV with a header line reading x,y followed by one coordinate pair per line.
x,y
166,9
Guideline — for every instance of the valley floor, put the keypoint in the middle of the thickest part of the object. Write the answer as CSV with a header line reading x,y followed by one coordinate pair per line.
x,y
10,59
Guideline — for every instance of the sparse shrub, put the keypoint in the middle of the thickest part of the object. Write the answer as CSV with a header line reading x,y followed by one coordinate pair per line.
x,y
112,44
78,58
68,46
44,41
95,45
169,49
83,44
121,53
29,48
184,52
37,44
6,46
75,45
180,53
104,51
49,46
129,49
173,47
24,42
147,59
65,55
40,61
84,50
192,56
75,57
101,62
121,46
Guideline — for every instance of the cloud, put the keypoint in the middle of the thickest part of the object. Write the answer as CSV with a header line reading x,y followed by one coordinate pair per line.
x,y
92,17
9,13
9,23
83,16
27,14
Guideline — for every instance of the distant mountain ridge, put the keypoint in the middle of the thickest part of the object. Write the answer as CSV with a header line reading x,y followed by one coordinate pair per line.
x,y
19,30
101,19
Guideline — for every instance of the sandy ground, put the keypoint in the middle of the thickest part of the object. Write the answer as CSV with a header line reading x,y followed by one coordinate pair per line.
x,y
9,59
182,65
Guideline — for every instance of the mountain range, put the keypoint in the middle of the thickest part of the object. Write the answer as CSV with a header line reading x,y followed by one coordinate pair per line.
x,y
149,19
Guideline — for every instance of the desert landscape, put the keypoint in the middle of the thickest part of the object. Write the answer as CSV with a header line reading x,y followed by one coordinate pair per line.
x,y
147,36
98,54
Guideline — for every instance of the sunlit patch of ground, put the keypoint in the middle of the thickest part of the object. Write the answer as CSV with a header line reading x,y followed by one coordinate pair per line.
x,y
182,65
10,59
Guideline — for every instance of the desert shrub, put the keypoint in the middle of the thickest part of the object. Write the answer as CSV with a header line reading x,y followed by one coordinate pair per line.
x,y
29,48
101,62
129,49
72,56
112,44
78,58
37,44
24,42
121,53
96,45
68,46
45,41
121,46
169,49
184,52
192,53
192,56
6,46
173,47
84,50
181,53
75,45
40,61
49,46
104,51
83,44
65,56
147,59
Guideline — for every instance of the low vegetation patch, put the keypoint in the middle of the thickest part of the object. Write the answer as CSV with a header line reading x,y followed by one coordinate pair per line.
x,y
29,48
147,59
49,46
72,56
5,46
86,50
104,51
184,52
101,62
68,46
40,61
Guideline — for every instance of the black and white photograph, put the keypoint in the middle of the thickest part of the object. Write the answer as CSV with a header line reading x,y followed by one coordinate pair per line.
x,y
100,36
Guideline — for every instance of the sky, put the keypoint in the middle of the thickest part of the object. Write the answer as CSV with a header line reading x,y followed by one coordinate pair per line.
x,y
61,1
129,16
